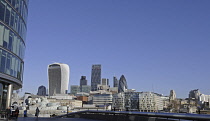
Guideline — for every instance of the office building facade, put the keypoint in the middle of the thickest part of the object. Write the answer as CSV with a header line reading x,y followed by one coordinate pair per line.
x,y
42,91
75,89
131,100
102,99
83,82
118,102
194,94
115,81
58,75
150,102
104,81
95,77
13,21
85,88
122,84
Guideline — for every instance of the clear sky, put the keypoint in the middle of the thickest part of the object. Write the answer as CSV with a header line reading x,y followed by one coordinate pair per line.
x,y
158,45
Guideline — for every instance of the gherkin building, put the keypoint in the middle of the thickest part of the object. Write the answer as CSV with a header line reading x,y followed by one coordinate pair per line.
x,y
122,84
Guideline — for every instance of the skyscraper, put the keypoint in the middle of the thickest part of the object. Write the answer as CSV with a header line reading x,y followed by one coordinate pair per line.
x,y
83,82
42,91
115,81
95,77
58,75
13,21
122,84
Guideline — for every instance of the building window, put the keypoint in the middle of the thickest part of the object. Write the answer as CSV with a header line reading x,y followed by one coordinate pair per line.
x,y
2,11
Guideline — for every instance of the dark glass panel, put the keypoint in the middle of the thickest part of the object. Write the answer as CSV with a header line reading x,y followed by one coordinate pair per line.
x,y
3,61
7,17
8,61
12,19
18,71
17,5
16,20
18,29
10,41
2,11
20,9
13,2
5,44
1,95
10,1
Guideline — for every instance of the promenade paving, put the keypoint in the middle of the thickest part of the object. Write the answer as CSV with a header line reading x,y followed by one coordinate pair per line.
x,y
48,119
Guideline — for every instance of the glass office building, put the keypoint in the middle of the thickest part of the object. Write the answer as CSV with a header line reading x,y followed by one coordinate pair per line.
x,y
95,76
122,84
13,21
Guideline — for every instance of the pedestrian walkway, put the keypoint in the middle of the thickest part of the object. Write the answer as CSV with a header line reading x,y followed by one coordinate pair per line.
x,y
49,119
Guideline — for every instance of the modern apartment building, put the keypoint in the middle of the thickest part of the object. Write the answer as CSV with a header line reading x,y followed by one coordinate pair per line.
x,y
13,21
58,75
150,102
138,101
126,101
118,102
95,77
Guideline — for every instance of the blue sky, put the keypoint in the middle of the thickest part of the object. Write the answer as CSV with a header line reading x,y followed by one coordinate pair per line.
x,y
158,45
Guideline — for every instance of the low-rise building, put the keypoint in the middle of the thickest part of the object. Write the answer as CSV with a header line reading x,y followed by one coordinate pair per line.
x,y
84,99
131,100
102,99
75,89
61,96
85,88
118,102
150,102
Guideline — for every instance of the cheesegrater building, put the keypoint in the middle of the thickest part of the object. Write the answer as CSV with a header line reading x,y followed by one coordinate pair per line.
x,y
95,76
13,21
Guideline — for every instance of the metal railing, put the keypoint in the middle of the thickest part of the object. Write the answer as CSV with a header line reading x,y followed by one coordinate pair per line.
x,y
135,116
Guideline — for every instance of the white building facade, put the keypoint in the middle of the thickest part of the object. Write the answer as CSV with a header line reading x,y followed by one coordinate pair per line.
x,y
203,98
58,75
150,102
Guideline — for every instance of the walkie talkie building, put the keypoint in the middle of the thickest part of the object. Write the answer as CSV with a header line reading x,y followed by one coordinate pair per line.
x,y
13,21
58,75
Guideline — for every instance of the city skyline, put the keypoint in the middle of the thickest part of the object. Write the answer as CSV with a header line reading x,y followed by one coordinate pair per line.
x,y
158,46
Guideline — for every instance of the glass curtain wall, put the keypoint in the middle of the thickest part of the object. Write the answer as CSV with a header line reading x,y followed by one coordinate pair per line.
x,y
13,21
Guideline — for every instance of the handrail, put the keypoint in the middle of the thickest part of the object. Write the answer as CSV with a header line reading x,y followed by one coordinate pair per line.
x,y
143,114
